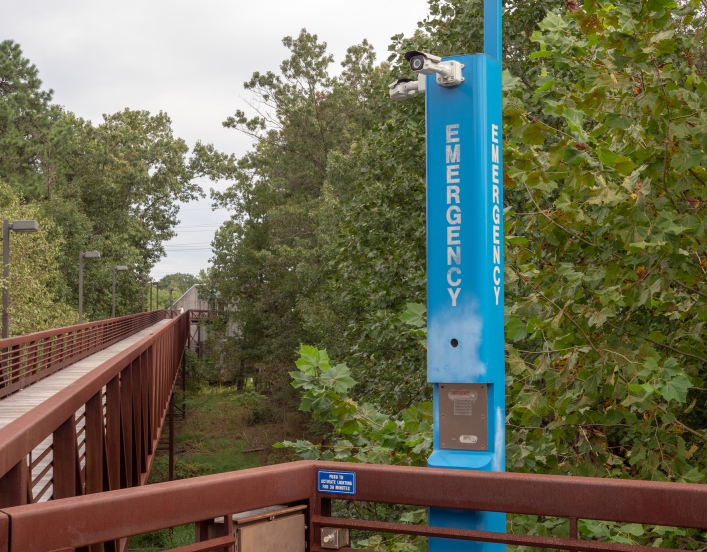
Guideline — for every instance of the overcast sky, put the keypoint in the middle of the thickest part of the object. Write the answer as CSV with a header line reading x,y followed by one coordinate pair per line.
x,y
189,59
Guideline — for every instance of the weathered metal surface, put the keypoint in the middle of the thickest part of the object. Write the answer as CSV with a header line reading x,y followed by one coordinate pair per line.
x,y
482,536
284,534
20,437
214,544
625,501
84,520
26,359
80,521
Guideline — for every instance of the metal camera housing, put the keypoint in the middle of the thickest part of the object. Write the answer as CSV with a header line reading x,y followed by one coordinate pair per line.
x,y
449,73
402,89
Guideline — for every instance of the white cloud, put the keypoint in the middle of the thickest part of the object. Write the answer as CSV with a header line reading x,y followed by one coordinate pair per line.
x,y
187,59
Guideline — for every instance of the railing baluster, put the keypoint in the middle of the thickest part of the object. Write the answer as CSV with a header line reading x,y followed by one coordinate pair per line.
x,y
65,459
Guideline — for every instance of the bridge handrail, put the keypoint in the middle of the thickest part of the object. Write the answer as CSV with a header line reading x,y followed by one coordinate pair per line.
x,y
139,382
26,359
82,521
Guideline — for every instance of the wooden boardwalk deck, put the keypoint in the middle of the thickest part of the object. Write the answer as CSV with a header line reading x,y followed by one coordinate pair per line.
x,y
22,402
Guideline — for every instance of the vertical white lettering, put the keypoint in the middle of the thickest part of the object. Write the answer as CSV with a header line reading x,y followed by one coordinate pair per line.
x,y
494,153
454,293
452,192
453,235
452,174
495,194
454,215
494,134
494,173
496,214
453,154
496,275
497,254
495,235
496,290
451,254
452,131
450,272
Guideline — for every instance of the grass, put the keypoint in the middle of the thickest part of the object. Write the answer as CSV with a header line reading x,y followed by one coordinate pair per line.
x,y
221,424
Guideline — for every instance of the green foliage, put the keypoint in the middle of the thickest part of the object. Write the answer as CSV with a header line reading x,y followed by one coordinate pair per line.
x,y
604,265
360,432
258,407
35,279
27,130
112,187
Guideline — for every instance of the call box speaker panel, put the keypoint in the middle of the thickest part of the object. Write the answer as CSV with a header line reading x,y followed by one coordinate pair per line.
x,y
463,416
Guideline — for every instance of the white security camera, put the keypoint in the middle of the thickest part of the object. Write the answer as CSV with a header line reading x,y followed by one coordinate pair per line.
x,y
449,73
402,89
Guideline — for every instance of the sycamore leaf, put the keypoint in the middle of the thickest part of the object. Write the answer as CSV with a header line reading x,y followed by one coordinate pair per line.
x,y
339,378
414,315
553,22
509,81
312,358
675,389
686,159
533,135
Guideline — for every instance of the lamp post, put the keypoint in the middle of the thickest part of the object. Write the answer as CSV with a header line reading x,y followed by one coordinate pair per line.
x,y
157,301
119,269
151,284
82,256
142,292
171,303
17,226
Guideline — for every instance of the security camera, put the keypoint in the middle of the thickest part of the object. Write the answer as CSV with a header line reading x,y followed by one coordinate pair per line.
x,y
402,89
449,73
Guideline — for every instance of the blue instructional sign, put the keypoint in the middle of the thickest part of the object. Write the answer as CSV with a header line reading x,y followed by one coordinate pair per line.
x,y
336,482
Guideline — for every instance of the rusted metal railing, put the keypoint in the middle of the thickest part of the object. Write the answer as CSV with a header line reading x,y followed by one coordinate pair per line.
x,y
102,430
26,359
109,517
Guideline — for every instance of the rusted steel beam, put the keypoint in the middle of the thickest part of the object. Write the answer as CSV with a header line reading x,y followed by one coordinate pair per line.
x,y
625,501
28,431
104,517
14,485
64,460
4,533
481,536
207,546
113,432
60,348
94,444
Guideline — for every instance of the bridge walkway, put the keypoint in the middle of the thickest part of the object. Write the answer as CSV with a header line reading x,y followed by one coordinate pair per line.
x,y
22,402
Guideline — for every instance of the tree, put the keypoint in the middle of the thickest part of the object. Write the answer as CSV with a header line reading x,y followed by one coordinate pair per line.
x,y
34,270
264,256
28,137
179,279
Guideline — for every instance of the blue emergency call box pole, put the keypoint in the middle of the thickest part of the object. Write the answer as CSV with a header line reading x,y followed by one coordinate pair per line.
x,y
465,358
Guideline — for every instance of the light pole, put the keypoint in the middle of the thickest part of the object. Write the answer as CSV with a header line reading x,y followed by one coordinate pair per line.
x,y
82,256
119,269
151,284
171,303
157,302
142,292
17,226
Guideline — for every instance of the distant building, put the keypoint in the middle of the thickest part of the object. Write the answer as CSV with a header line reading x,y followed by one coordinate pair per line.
x,y
191,300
